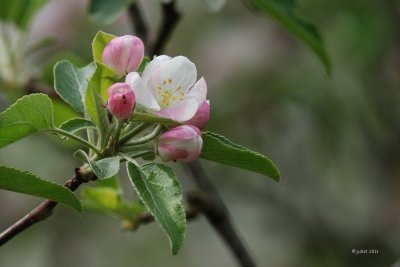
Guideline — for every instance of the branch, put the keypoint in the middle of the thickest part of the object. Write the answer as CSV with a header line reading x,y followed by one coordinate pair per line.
x,y
138,22
34,86
217,214
171,18
41,212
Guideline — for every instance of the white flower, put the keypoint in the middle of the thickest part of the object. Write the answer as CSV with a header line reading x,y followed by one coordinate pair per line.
x,y
168,87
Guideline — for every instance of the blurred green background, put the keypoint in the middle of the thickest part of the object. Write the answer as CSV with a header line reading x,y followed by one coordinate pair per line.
x,y
336,140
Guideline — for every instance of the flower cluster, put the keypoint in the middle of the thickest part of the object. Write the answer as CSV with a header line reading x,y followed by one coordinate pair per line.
x,y
167,87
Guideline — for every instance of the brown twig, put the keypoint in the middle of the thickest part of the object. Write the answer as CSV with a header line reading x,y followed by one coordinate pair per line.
x,y
41,212
217,214
138,22
34,87
170,19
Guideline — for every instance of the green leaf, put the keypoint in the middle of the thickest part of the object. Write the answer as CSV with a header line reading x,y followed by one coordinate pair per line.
x,y
26,183
143,64
284,12
100,198
109,182
19,11
77,124
99,42
104,168
47,65
106,200
96,96
219,149
139,116
159,189
29,114
62,112
107,11
70,83
97,110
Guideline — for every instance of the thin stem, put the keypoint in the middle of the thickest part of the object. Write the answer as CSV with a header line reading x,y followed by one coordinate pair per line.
x,y
171,18
135,148
90,136
74,137
132,132
156,131
218,215
138,155
107,139
118,128
138,21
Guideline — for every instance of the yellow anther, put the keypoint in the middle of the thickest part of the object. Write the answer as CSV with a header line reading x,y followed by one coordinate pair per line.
x,y
166,95
165,98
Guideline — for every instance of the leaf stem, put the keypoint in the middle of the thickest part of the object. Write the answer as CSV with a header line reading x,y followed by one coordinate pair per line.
x,y
156,131
118,128
139,147
132,132
74,137
91,139
137,155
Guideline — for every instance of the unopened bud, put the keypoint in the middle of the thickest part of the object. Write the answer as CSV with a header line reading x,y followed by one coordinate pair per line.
x,y
123,54
121,100
182,143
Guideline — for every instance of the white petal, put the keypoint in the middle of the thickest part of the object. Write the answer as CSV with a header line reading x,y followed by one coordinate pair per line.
x,y
198,91
178,72
181,112
153,66
142,94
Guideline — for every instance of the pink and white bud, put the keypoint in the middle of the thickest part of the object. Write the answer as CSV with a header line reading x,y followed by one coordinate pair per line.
x,y
121,100
123,54
202,116
182,143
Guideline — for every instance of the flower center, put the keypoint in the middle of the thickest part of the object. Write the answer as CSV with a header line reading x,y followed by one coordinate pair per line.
x,y
168,94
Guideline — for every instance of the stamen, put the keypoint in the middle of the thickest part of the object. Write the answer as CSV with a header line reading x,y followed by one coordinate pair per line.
x,y
166,95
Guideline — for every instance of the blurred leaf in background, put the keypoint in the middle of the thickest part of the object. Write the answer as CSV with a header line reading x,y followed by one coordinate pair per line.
x,y
284,12
19,11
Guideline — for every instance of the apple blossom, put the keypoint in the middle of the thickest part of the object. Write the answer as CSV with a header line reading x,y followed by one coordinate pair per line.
x,y
168,87
123,54
181,143
121,100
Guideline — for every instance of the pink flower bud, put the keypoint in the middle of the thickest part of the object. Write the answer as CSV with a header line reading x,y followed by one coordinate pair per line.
x,y
182,143
123,54
121,100
202,116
